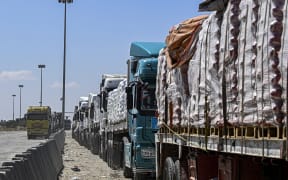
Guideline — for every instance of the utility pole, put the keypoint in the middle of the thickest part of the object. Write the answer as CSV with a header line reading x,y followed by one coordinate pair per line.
x,y
20,87
41,66
64,61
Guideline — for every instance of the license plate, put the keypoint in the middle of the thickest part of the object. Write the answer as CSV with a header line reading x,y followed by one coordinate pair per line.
x,y
148,153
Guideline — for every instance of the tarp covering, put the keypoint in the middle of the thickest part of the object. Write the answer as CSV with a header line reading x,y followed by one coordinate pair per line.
x,y
240,62
181,37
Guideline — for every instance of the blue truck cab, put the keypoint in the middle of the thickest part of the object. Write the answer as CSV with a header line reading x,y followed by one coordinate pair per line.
x,y
139,148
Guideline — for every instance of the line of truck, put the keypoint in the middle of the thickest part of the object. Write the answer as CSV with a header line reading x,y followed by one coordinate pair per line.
x,y
210,105
119,122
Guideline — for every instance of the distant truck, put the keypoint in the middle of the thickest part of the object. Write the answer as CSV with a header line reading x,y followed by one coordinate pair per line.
x,y
121,117
38,122
56,121
93,123
79,125
67,124
109,83
223,110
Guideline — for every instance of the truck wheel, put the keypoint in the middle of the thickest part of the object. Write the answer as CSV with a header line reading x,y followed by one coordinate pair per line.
x,y
169,170
96,145
87,140
109,154
105,146
91,139
180,171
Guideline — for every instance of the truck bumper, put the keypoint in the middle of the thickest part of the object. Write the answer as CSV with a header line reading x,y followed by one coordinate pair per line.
x,y
144,171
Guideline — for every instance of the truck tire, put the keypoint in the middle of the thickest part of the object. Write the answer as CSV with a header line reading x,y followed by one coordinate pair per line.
x,y
109,152
91,139
87,140
169,170
180,171
105,146
94,145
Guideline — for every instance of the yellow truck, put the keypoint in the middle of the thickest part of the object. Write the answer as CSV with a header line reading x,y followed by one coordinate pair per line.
x,y
38,121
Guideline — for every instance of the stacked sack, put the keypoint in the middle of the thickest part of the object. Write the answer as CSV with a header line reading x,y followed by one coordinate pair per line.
x,y
116,106
237,72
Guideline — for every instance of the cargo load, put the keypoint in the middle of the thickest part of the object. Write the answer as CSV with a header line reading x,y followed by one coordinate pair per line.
x,y
116,107
222,114
238,72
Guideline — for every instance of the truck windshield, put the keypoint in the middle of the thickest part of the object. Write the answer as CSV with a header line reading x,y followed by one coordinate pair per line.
x,y
148,99
37,116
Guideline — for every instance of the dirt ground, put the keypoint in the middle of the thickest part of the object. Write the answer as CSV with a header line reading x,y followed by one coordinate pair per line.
x,y
81,164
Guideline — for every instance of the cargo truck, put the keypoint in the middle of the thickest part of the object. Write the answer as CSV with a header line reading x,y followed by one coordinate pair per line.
x,y
90,120
56,121
131,122
109,83
67,123
80,121
222,112
39,122
95,116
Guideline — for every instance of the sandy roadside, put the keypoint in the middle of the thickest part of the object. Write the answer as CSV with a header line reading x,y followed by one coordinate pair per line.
x,y
81,164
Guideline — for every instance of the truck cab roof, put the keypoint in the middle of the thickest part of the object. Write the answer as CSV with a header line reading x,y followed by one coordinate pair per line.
x,y
146,49
112,83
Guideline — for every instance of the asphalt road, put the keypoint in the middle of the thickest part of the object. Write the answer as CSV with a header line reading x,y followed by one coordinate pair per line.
x,y
15,142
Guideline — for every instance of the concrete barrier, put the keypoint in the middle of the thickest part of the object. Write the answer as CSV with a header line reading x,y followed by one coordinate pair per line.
x,y
30,166
41,162
6,173
60,139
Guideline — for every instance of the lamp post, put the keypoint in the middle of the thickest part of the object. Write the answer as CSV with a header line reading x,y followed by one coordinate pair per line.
x,y
13,95
20,87
41,66
64,61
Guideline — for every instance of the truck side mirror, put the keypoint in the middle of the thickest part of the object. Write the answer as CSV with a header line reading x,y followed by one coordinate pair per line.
x,y
101,102
129,97
133,66
92,108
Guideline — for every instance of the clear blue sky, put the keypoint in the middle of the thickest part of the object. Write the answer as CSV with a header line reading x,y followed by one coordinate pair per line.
x,y
99,34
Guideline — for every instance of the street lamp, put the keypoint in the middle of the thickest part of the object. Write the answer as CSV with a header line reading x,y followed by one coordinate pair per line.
x,y
13,95
41,66
20,86
64,61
